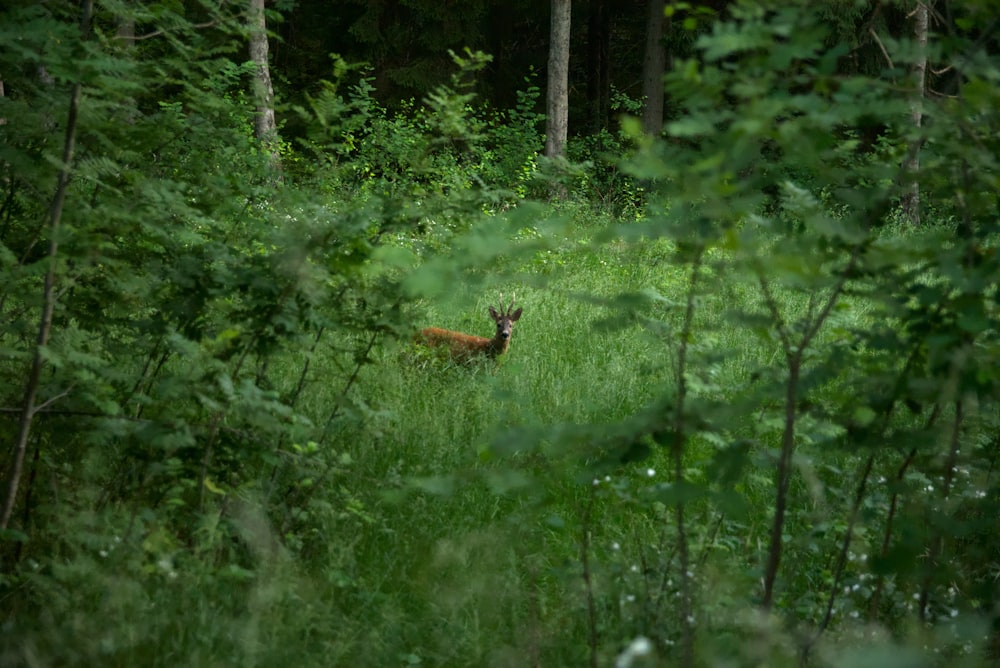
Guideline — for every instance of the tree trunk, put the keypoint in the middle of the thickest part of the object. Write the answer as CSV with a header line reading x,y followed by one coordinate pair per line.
x,y
125,32
557,107
911,198
28,402
653,64
598,82
265,127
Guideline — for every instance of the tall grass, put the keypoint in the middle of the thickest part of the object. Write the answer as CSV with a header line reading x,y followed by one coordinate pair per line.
x,y
489,541
473,553
454,511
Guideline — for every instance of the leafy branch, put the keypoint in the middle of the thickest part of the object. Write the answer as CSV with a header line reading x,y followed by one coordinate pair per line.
x,y
49,290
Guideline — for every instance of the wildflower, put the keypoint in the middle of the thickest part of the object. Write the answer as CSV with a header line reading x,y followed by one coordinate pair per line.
x,y
640,647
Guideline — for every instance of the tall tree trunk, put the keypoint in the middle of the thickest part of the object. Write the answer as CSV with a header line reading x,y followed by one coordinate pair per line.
x,y
125,36
653,64
557,107
28,404
265,127
911,198
125,31
598,82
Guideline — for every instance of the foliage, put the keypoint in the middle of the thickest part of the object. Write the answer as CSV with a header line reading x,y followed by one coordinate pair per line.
x,y
876,344
747,417
444,156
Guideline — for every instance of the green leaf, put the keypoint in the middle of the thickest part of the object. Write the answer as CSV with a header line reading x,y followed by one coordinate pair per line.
x,y
213,488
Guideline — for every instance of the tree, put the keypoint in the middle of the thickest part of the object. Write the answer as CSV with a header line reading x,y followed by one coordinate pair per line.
x,y
653,63
265,126
911,198
557,106
29,404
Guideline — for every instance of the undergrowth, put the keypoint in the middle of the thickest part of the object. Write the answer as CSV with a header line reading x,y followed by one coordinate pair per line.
x,y
748,416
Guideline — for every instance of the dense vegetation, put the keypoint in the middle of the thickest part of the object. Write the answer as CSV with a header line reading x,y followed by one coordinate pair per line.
x,y
749,415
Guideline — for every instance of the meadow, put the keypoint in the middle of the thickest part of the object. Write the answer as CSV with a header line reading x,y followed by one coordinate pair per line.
x,y
536,510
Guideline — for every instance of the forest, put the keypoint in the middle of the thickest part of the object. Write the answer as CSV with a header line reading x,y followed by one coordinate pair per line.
x,y
740,257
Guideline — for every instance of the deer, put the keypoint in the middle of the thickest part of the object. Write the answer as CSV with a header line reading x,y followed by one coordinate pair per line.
x,y
465,347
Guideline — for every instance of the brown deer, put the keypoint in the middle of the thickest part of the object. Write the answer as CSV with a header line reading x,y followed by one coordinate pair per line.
x,y
464,347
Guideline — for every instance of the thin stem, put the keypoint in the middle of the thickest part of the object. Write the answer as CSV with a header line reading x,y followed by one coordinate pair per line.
x,y
361,360
783,475
49,291
588,584
677,453
887,536
359,363
934,552
898,390
841,565
292,401
794,353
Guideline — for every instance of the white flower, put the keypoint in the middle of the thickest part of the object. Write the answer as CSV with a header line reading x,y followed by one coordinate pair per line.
x,y
650,472
638,648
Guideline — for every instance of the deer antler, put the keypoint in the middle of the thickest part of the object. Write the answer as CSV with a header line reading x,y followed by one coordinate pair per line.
x,y
510,307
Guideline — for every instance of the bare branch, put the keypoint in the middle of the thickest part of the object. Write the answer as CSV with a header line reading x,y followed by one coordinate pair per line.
x,y
157,33
54,399
881,46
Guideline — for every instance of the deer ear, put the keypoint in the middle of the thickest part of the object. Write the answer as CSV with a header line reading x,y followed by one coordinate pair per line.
x,y
516,315
493,312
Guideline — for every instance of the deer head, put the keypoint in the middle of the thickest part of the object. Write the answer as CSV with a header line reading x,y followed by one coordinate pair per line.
x,y
505,320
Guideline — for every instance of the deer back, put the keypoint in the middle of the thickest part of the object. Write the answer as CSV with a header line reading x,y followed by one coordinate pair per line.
x,y
466,346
